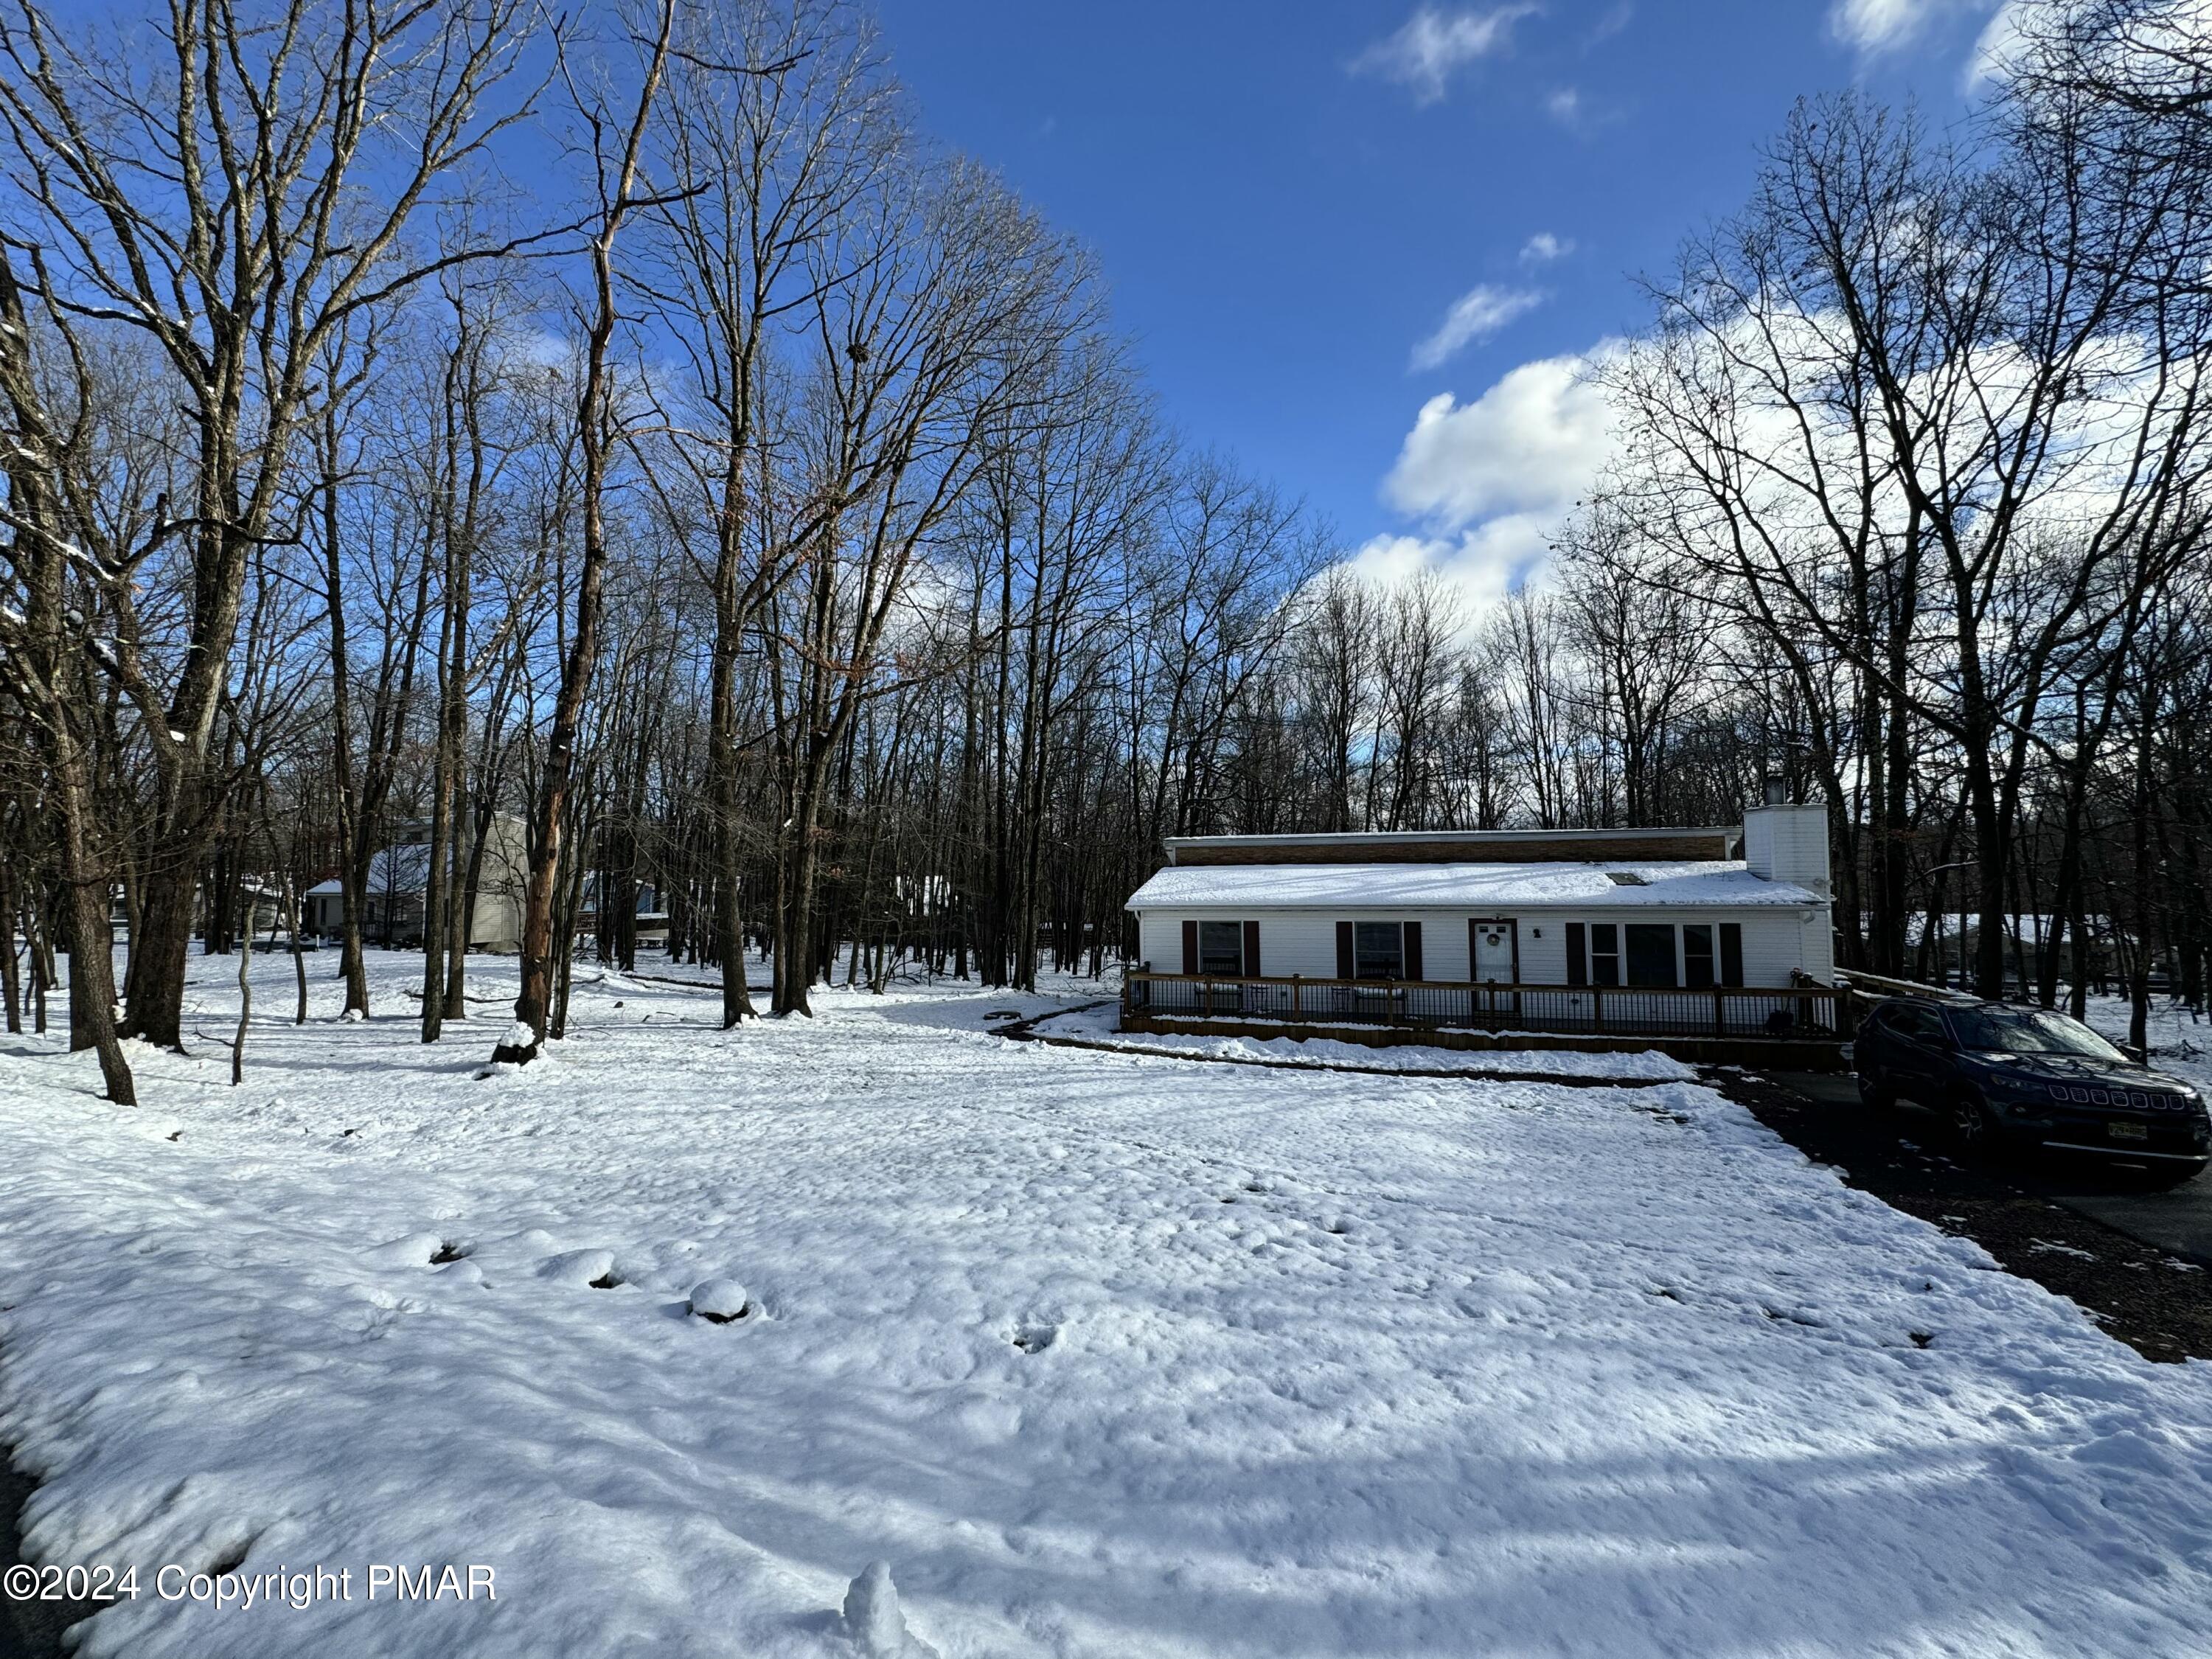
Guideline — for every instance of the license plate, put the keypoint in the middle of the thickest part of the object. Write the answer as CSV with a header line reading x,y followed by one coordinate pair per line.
x,y
2128,1131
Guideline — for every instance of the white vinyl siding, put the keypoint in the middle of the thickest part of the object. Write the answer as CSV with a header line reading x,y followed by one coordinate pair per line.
x,y
1817,946
1543,950
1775,941
1787,843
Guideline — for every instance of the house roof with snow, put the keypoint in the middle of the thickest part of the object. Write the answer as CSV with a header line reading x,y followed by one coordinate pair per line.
x,y
403,869
1714,884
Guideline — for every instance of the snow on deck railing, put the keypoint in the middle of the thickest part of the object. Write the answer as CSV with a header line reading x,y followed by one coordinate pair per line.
x,y
1878,986
1727,1010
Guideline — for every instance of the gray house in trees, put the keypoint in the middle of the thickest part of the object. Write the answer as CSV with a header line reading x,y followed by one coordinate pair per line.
x,y
398,878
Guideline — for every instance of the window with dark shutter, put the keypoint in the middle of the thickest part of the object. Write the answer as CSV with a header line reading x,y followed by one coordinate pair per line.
x,y
1698,955
1412,951
1380,948
1252,950
1731,953
1605,953
1190,947
1221,949
1346,957
1578,955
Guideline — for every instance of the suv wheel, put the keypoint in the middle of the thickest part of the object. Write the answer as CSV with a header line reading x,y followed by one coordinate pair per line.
x,y
1967,1126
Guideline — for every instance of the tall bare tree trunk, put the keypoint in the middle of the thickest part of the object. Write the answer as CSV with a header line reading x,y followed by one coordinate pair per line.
x,y
595,430
461,912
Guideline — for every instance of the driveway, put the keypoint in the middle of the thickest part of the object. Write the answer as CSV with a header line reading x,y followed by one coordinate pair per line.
x,y
2178,1219
2139,1261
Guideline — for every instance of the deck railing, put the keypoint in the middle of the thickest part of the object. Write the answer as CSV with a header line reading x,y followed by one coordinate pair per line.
x,y
1725,1011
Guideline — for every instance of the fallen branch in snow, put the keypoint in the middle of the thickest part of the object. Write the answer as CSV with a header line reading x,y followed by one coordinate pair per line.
x,y
245,998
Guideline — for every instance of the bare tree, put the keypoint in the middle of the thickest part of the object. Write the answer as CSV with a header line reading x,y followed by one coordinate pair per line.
x,y
617,150
204,197
776,120
960,299
1877,394
44,655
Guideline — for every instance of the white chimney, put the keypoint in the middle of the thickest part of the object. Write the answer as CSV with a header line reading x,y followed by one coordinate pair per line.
x,y
1788,843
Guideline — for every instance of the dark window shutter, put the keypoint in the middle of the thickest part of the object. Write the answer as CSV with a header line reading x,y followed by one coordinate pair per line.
x,y
1578,955
1251,949
1346,968
1190,947
1731,953
1412,950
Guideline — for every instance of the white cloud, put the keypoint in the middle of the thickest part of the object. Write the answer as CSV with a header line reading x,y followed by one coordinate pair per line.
x,y
1433,45
1886,25
2001,40
1491,480
1475,315
1544,248
1525,450
1564,107
1481,565
1616,19
1879,24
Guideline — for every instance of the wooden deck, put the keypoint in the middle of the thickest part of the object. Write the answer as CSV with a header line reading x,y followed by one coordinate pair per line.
x,y
1760,1054
1792,1028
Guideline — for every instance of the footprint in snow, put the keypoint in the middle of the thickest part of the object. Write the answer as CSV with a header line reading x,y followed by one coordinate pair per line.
x,y
1783,1315
415,1250
1036,1339
590,1269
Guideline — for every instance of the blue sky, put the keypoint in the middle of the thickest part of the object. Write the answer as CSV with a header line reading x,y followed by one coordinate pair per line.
x,y
1362,246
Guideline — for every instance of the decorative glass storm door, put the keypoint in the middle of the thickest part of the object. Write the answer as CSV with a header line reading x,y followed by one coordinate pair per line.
x,y
1492,954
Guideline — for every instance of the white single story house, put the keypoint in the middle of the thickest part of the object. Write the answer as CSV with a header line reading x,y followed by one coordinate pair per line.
x,y
1629,911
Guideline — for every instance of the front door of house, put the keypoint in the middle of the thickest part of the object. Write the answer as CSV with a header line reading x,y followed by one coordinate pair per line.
x,y
1492,960
1492,943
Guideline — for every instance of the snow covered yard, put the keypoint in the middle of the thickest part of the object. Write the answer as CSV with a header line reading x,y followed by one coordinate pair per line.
x,y
1105,1354
1097,1023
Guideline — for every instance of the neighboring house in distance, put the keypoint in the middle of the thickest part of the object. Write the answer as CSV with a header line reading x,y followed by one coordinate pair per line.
x,y
653,918
1721,933
399,874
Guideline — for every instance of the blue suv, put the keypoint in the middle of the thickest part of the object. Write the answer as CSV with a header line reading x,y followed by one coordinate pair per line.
x,y
2005,1078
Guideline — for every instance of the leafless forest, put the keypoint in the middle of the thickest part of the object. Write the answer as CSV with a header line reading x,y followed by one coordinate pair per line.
x,y
421,414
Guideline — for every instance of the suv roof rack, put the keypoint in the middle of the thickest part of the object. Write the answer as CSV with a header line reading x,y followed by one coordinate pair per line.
x,y
1878,985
